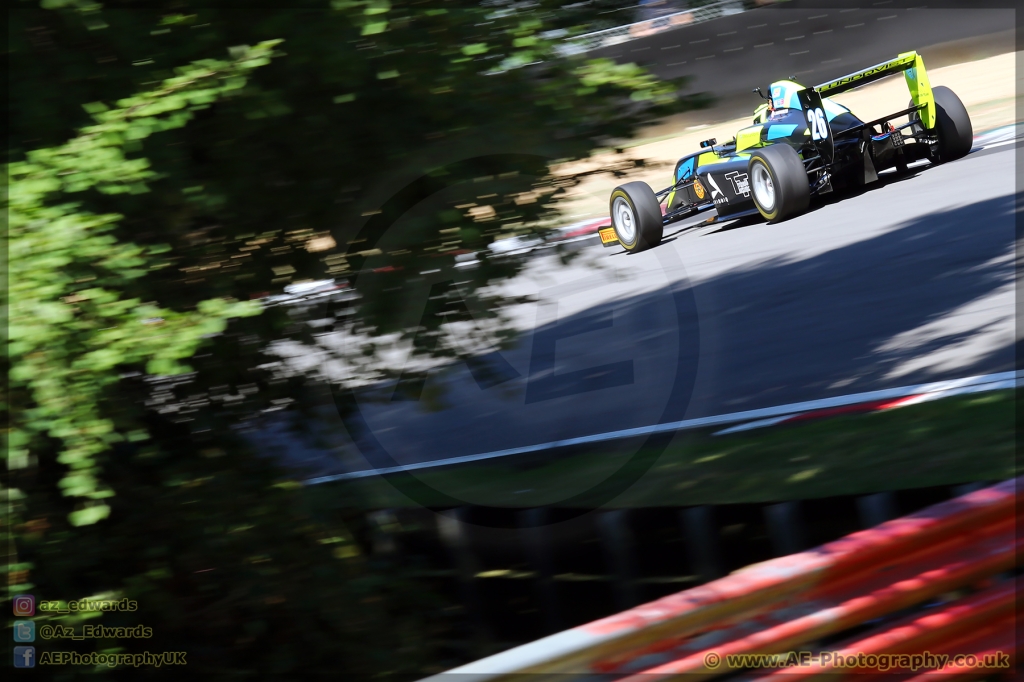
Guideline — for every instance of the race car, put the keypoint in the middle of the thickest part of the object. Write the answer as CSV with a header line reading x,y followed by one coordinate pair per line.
x,y
801,145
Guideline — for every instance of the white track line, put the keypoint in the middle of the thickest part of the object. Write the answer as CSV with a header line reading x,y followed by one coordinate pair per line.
x,y
1004,379
760,423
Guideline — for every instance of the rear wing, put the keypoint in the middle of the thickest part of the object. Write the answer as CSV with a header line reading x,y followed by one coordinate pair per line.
x,y
912,66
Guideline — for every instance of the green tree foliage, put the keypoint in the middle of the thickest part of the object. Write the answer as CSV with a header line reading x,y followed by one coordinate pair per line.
x,y
159,185
72,322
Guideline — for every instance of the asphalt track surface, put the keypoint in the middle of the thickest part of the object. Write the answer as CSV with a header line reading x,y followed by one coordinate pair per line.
x,y
908,282
812,41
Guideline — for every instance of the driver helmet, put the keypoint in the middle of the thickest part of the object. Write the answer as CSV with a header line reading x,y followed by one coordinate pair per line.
x,y
783,95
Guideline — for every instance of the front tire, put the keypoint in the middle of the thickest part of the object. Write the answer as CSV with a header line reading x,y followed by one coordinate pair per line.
x,y
636,216
778,182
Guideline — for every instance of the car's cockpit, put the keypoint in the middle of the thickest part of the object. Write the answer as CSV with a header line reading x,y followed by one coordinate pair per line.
x,y
783,99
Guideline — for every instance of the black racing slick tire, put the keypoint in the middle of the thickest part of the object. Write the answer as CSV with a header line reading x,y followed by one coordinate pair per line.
x,y
956,135
778,182
636,216
952,125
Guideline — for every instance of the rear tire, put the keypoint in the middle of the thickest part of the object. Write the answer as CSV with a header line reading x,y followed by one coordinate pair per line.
x,y
778,182
956,134
952,125
636,216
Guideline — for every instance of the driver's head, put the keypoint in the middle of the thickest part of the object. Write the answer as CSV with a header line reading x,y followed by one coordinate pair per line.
x,y
783,94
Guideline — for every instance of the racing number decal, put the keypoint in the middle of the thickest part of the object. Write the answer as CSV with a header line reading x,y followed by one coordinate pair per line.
x,y
822,123
816,122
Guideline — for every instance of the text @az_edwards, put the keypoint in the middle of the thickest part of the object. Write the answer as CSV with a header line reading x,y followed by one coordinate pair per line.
x,y
95,632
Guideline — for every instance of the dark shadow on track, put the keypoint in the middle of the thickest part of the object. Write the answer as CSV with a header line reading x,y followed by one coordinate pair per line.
x,y
777,332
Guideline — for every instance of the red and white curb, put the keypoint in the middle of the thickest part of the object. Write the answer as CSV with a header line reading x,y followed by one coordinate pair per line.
x,y
997,137
584,228
992,382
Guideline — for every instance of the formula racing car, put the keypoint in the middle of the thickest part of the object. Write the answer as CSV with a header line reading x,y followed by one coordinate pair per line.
x,y
801,145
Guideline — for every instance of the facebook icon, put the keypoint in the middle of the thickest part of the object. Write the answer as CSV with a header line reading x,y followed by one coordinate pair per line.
x,y
24,657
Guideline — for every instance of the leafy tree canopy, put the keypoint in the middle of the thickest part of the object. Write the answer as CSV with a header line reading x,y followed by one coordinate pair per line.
x,y
172,164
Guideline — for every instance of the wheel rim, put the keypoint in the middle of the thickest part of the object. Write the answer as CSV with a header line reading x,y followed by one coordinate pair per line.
x,y
625,221
764,189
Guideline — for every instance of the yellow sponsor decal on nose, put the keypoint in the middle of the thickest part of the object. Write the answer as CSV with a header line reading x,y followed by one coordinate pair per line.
x,y
698,188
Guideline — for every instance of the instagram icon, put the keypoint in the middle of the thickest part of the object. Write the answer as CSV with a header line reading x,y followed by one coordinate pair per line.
x,y
24,605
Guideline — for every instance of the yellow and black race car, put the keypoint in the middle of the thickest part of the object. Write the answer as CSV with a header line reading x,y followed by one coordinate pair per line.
x,y
800,145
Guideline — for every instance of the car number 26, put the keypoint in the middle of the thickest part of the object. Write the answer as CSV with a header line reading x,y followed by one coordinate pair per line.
x,y
816,122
